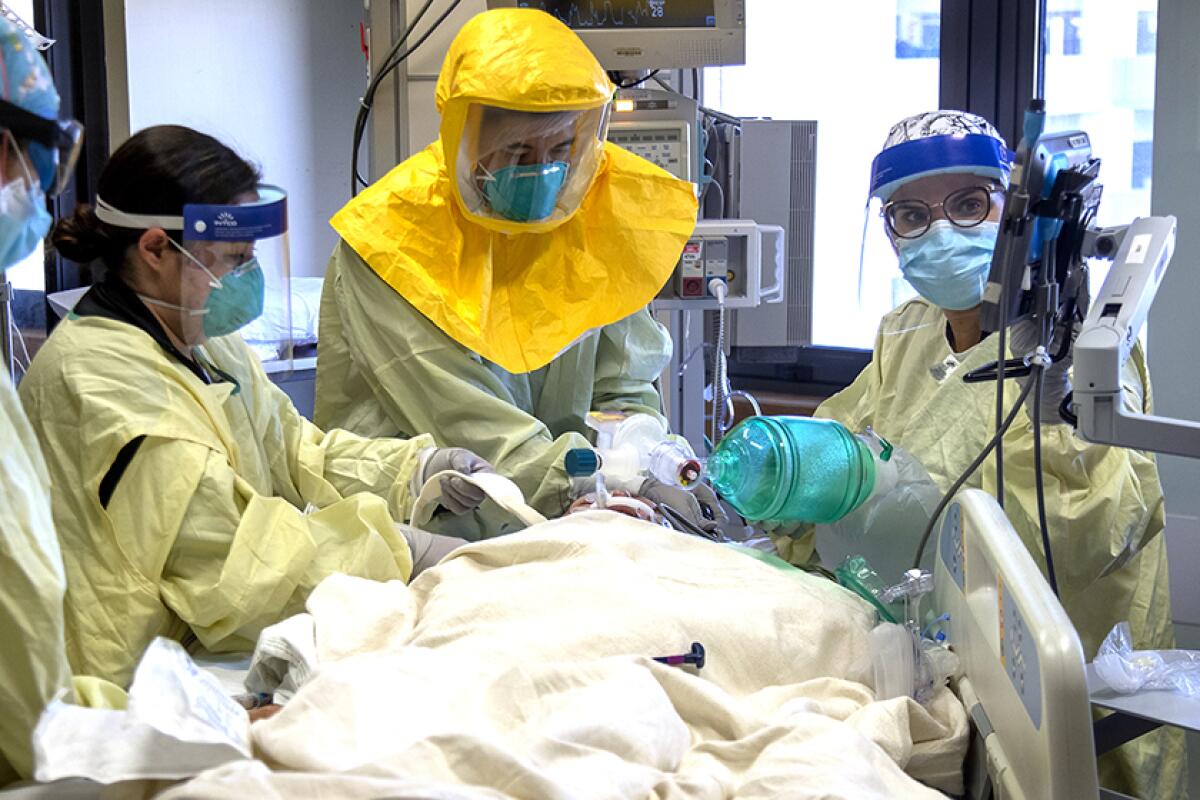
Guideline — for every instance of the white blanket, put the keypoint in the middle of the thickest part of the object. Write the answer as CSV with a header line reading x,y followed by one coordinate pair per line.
x,y
520,667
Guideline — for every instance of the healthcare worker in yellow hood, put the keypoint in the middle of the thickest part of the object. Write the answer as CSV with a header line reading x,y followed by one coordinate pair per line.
x,y
491,290
192,500
941,177
38,152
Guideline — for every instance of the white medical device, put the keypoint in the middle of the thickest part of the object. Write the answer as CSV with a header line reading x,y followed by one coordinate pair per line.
x,y
1024,681
1107,338
734,251
659,126
652,34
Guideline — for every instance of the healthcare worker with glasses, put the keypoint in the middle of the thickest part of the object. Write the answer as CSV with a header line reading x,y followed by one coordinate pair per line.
x,y
33,660
492,289
192,500
940,178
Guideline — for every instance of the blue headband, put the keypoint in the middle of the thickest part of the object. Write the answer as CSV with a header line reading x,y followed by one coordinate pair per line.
x,y
974,153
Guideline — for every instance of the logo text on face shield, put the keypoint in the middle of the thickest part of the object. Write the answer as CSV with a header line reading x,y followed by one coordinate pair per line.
x,y
225,220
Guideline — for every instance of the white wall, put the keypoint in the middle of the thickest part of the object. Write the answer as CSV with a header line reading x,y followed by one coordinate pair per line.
x,y
277,80
1174,367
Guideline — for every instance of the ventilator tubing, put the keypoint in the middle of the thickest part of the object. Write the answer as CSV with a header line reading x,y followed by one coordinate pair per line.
x,y
797,469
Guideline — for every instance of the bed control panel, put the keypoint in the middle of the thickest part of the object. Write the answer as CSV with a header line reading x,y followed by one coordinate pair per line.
x,y
1018,654
951,545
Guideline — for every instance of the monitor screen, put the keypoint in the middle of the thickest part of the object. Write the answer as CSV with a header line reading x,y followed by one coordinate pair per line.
x,y
594,14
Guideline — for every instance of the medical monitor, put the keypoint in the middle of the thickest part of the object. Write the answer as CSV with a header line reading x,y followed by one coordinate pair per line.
x,y
652,34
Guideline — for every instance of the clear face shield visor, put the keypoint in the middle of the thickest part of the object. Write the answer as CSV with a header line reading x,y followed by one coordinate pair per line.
x,y
235,273
521,166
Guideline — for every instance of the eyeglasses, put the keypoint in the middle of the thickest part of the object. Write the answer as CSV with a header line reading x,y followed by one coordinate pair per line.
x,y
964,208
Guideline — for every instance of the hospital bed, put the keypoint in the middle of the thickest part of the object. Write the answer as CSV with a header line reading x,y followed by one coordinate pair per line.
x,y
1023,682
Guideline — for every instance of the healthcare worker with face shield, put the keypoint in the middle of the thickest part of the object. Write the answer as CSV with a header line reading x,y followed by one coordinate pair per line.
x,y
492,289
192,500
38,152
941,179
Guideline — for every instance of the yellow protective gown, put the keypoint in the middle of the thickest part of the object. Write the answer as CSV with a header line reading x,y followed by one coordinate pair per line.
x,y
230,511
518,293
384,369
1104,505
469,327
33,665
33,661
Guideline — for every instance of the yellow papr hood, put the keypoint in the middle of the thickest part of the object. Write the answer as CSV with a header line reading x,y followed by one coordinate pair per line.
x,y
519,293
521,59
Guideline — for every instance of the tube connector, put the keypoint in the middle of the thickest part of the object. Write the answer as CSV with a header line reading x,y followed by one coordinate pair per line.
x,y
719,289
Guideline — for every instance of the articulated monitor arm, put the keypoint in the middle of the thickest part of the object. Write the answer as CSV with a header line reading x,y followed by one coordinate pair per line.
x,y
1107,338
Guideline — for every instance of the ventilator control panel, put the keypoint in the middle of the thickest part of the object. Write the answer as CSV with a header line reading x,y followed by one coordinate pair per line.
x,y
659,126
665,147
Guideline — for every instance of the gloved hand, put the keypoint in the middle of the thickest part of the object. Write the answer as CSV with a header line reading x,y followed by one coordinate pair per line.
x,y
1056,383
698,505
458,496
427,548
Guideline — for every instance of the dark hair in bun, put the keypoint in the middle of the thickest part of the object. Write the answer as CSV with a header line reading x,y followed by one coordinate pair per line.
x,y
156,172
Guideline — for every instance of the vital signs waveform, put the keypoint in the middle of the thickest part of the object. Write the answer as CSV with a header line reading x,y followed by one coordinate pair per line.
x,y
627,13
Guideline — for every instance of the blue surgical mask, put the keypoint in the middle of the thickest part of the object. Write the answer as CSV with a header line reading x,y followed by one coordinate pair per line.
x,y
24,221
525,193
948,265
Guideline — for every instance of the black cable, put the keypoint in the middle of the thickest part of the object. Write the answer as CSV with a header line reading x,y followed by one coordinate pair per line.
x,y
638,82
1066,411
968,472
393,60
1040,373
721,115
368,98
1002,344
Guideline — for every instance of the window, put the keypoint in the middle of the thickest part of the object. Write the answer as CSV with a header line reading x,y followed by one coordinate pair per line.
x,y
856,87
1117,40
1062,33
1147,33
917,33
1143,155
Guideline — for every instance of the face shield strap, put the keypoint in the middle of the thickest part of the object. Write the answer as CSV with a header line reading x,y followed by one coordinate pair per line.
x,y
26,125
111,215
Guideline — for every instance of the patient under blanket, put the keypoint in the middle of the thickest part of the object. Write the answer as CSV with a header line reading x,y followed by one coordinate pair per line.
x,y
523,667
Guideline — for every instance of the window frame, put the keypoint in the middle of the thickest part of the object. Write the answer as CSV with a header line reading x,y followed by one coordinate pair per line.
x,y
991,64
77,62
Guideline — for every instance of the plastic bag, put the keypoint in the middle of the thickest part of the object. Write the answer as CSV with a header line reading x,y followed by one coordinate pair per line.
x,y
1127,670
905,664
903,507
856,575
